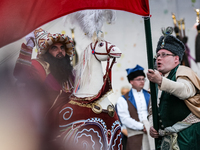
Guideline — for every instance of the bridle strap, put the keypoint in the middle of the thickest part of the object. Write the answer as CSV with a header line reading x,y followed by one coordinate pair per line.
x,y
108,53
107,50
93,49
108,63
112,63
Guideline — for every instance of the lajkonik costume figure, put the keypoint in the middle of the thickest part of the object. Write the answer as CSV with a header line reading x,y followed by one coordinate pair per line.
x,y
42,79
89,120
51,68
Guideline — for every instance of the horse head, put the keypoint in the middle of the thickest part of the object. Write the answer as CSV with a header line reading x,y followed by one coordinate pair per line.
x,y
89,74
103,49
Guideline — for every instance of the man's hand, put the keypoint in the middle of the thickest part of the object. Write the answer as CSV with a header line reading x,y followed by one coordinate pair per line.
x,y
154,76
153,133
30,39
124,131
144,130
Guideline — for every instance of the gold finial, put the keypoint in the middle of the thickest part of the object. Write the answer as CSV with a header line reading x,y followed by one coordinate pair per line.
x,y
179,23
183,24
197,11
72,30
179,26
174,18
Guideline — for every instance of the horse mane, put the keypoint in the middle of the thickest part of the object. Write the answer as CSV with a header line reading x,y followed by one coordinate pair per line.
x,y
82,69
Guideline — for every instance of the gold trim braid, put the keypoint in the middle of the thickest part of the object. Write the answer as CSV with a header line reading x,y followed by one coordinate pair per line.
x,y
45,65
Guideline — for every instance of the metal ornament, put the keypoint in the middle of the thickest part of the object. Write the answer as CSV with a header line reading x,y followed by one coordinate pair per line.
x,y
111,110
93,51
166,32
197,18
96,108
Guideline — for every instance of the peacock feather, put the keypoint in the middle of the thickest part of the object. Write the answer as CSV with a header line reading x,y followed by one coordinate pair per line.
x,y
166,32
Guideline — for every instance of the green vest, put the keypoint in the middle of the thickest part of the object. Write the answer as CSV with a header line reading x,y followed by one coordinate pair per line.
x,y
171,108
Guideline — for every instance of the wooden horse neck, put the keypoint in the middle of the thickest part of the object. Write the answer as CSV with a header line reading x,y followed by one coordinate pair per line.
x,y
95,80
94,84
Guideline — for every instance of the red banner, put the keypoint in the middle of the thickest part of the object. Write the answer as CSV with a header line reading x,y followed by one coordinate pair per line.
x,y
20,17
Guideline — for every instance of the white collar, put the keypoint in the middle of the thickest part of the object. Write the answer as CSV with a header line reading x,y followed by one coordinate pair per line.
x,y
135,91
166,74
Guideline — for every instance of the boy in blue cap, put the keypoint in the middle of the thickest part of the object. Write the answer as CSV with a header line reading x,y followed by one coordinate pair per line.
x,y
133,109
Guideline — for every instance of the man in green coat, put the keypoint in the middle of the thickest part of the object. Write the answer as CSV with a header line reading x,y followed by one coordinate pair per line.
x,y
178,97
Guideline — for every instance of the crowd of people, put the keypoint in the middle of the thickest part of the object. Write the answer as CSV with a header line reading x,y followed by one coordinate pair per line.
x,y
177,100
51,75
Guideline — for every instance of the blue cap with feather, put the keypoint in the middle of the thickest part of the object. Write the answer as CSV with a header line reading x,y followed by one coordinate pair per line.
x,y
134,72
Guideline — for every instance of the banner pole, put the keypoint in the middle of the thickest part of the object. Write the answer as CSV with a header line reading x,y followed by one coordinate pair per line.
x,y
153,87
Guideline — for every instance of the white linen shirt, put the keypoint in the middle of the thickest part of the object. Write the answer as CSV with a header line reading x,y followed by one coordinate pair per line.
x,y
124,115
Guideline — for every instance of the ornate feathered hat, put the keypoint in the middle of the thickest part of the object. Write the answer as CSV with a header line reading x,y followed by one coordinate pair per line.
x,y
44,40
170,43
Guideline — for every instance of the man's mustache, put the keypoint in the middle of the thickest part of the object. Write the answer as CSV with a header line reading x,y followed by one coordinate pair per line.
x,y
60,55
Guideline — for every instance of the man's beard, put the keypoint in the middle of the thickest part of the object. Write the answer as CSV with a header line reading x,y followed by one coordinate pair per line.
x,y
61,69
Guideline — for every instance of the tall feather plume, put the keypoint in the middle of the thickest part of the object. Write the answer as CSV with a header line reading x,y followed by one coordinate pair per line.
x,y
91,21
166,32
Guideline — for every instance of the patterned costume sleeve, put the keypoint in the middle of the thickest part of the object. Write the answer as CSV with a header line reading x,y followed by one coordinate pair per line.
x,y
183,88
24,70
23,64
